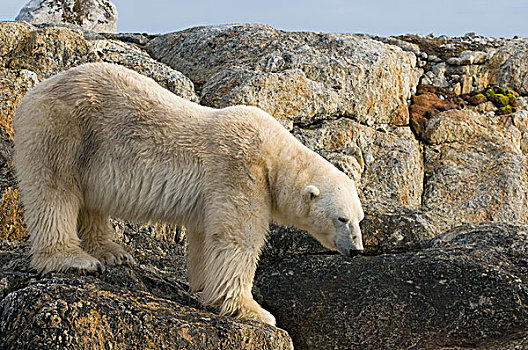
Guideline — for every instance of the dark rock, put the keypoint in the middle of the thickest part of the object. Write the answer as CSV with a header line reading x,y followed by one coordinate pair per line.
x,y
287,242
145,306
83,315
467,289
398,230
133,38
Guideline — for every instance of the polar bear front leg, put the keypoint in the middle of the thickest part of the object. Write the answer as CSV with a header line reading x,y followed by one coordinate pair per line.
x,y
228,279
96,233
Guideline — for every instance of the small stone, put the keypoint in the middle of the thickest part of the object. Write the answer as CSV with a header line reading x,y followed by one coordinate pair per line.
x,y
92,15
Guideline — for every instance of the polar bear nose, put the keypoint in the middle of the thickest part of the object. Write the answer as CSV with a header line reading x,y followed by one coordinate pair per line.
x,y
349,245
354,252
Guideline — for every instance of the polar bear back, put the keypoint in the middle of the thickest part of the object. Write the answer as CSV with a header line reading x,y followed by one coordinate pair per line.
x,y
148,146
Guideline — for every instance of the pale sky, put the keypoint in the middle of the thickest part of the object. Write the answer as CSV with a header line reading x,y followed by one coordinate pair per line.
x,y
383,17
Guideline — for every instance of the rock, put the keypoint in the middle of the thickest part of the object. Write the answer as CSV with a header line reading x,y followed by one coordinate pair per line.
x,y
66,314
48,51
404,45
144,306
13,86
299,76
436,76
468,58
450,295
131,56
286,242
386,164
520,121
92,15
509,67
12,223
474,170
273,93
11,33
133,38
398,230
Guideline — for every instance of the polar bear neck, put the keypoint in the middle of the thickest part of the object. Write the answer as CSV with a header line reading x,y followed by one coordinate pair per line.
x,y
291,168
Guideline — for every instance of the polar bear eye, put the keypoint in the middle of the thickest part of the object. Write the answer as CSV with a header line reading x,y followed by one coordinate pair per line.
x,y
343,220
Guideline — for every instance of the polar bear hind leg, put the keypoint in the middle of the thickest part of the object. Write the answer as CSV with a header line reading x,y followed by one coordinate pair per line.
x,y
52,218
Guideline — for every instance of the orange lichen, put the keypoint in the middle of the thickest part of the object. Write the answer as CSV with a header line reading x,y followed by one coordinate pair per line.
x,y
12,224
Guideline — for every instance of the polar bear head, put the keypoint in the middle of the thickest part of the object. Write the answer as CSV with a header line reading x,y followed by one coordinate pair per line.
x,y
333,212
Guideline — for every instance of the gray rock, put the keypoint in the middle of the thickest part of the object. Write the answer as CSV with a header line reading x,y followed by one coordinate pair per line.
x,y
436,76
93,15
451,295
299,76
387,164
474,170
468,58
133,57
273,93
509,66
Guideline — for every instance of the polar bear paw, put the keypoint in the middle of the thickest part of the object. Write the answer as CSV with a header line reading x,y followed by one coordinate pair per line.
x,y
112,254
257,314
62,261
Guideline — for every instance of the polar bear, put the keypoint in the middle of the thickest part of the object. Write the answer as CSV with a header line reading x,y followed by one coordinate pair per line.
x,y
101,140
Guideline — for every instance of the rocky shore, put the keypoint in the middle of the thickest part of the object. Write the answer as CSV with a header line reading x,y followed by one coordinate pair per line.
x,y
433,129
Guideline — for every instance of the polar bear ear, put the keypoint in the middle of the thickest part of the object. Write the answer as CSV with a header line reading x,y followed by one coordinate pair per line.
x,y
311,192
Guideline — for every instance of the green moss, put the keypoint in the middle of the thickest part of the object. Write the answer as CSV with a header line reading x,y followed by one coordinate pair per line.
x,y
506,109
504,99
479,98
512,99
489,92
501,100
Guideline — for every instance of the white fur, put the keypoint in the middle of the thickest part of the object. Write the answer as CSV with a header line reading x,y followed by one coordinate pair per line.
x,y
101,140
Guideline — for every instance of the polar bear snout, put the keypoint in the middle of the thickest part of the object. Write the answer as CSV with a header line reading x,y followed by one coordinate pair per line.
x,y
349,242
